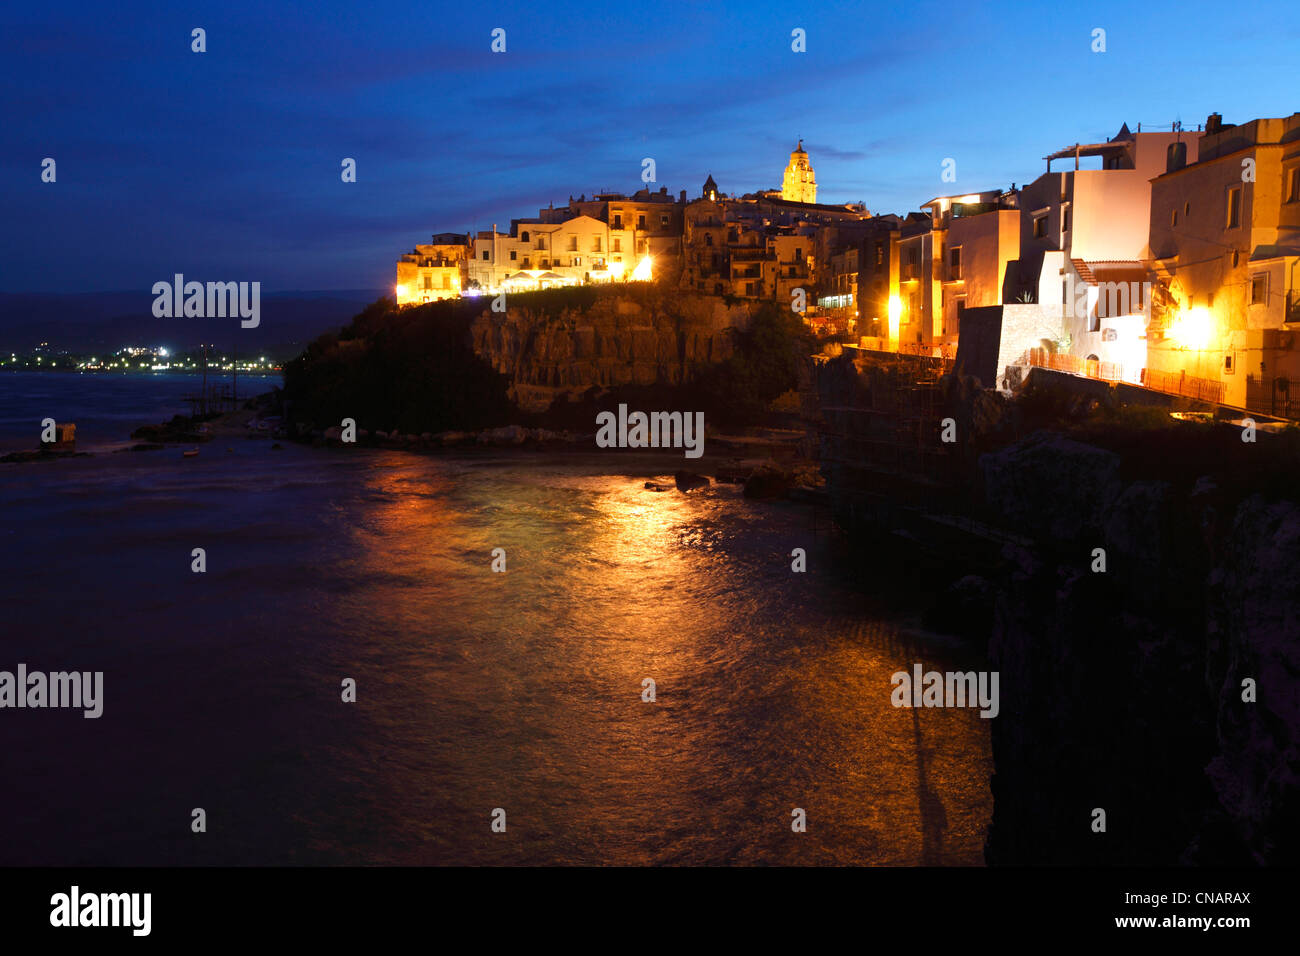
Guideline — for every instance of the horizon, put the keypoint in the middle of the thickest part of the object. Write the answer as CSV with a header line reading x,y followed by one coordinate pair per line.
x,y
451,137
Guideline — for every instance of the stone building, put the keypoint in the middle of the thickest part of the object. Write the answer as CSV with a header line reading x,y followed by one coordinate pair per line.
x,y
435,270
1225,258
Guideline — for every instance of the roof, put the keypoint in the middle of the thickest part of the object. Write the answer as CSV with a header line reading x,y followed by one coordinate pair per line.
x,y
1273,251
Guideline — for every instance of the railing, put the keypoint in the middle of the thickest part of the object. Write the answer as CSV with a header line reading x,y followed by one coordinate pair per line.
x,y
1171,383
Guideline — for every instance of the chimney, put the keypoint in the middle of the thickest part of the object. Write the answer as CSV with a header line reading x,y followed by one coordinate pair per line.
x,y
1175,157
682,196
1213,123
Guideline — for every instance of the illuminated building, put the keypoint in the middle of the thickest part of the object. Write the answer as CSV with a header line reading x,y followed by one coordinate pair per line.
x,y
1083,237
433,271
799,183
1225,254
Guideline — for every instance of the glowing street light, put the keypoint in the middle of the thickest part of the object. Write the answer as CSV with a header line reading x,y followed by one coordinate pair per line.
x,y
1193,328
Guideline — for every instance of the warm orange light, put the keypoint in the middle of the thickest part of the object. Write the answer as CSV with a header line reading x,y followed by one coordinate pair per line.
x,y
642,271
1193,328
895,315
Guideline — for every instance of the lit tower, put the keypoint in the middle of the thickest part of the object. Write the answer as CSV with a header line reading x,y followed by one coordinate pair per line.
x,y
799,184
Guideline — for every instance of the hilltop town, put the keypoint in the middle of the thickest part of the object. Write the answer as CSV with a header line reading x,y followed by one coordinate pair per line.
x,y
1169,266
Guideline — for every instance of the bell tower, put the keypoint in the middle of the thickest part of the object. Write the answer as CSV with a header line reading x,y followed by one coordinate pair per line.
x,y
799,184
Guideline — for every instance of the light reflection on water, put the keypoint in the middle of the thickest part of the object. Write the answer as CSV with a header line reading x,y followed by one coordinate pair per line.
x,y
476,690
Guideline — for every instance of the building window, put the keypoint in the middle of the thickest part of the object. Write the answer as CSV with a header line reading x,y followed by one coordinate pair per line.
x,y
618,245
428,282
1187,207
514,255
1065,219
1173,217
577,260
663,220
954,263
1040,227
640,222
618,221
1293,184
595,244
573,243
1234,257
524,237
1234,207
446,281
1228,366
1259,289
708,238
485,255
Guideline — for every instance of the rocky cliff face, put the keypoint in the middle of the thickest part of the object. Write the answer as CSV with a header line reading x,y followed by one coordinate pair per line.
x,y
641,337
1123,688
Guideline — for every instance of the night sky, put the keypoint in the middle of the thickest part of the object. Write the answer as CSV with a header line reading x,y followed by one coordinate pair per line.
x,y
225,165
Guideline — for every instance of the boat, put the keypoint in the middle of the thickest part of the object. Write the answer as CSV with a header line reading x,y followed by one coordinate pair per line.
x,y
191,453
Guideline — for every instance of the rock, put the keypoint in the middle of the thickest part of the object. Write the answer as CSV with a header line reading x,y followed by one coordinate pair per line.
x,y
768,482
688,481
509,435
1256,772
656,486
1134,525
1051,486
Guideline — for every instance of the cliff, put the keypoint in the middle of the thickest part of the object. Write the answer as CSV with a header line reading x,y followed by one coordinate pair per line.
x,y
1123,686
1123,683
549,349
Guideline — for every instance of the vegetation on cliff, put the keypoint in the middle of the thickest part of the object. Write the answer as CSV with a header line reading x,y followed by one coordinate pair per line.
x,y
411,370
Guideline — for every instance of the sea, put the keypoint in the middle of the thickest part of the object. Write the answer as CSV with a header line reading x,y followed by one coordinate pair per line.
x,y
488,656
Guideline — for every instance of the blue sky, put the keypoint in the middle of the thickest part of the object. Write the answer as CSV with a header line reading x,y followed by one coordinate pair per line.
x,y
225,165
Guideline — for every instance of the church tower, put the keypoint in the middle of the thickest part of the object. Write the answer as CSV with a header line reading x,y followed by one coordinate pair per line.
x,y
799,184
